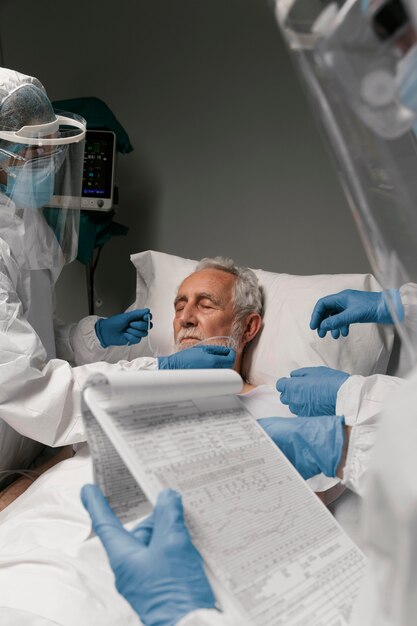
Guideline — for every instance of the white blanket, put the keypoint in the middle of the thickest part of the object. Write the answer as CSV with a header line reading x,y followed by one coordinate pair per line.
x,y
51,570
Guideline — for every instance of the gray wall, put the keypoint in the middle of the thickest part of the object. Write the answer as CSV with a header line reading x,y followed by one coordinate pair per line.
x,y
227,157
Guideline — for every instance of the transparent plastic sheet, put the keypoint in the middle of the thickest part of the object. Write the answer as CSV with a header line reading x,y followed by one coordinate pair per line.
x,y
153,348
371,135
32,474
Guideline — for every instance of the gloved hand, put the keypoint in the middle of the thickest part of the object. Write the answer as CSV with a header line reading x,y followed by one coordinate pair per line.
x,y
312,390
200,357
123,329
313,445
157,568
336,312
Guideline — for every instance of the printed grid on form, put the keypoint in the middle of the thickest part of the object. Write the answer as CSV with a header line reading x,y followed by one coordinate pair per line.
x,y
265,535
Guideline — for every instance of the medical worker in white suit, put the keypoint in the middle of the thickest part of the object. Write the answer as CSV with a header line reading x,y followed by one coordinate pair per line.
x,y
41,164
311,391
359,61
321,390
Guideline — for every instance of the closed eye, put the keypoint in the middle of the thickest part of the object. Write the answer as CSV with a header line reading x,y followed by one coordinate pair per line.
x,y
207,303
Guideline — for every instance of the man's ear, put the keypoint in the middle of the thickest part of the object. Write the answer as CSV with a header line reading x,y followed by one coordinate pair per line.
x,y
251,327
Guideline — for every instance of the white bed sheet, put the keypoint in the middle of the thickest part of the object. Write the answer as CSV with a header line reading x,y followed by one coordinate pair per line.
x,y
50,567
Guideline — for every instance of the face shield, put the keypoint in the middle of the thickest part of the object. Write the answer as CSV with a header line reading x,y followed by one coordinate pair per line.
x,y
40,179
354,58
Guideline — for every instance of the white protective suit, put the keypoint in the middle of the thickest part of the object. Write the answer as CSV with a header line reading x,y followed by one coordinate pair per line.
x,y
40,392
41,158
361,399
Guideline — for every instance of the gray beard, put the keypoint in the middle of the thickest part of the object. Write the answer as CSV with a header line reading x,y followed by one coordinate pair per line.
x,y
232,341
183,334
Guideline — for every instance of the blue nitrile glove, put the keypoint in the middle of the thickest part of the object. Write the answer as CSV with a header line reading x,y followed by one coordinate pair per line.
x,y
157,568
123,329
336,312
312,390
313,445
200,357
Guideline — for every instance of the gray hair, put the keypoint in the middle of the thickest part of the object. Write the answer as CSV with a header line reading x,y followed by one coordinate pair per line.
x,y
247,293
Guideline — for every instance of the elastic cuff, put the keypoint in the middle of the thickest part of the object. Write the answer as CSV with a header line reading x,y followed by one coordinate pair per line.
x,y
349,398
349,457
359,453
98,333
395,299
339,440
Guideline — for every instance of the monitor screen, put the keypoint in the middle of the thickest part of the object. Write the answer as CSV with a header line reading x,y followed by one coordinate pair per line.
x,y
98,165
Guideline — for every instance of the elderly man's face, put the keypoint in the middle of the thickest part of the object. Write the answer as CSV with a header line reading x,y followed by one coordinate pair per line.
x,y
204,307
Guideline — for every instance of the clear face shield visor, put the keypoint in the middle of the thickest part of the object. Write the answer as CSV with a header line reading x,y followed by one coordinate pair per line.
x,y
41,175
362,85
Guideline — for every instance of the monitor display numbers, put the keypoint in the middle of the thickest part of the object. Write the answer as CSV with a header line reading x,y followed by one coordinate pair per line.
x,y
98,174
98,165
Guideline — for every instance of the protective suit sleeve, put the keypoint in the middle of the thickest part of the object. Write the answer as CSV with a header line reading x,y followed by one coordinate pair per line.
x,y
360,400
86,346
41,399
207,617
360,397
64,340
408,294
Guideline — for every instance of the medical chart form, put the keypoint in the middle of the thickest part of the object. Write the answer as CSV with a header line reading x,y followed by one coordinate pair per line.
x,y
264,535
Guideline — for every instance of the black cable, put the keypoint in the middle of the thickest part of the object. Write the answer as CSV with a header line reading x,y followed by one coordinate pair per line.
x,y
90,288
1,54
97,258
90,271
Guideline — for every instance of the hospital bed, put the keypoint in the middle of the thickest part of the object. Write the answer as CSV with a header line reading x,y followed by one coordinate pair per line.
x,y
286,341
49,567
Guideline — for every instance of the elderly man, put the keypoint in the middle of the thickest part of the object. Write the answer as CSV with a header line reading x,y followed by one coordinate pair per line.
x,y
219,303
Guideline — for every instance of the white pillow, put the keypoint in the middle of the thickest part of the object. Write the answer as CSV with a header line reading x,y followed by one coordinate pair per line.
x,y
286,341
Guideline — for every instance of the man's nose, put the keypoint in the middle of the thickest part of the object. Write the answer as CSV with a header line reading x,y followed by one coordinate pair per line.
x,y
188,316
